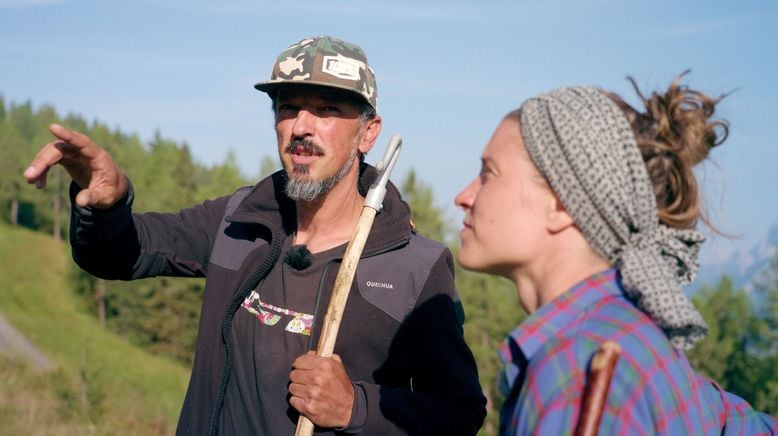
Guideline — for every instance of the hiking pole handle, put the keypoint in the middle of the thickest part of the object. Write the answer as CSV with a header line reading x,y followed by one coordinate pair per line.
x,y
596,389
375,196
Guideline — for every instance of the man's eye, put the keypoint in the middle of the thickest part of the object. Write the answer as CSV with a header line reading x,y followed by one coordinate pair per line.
x,y
331,109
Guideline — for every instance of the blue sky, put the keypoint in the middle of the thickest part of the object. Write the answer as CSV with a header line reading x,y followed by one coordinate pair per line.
x,y
447,72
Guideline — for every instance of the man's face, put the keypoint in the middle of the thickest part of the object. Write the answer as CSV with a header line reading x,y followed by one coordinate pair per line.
x,y
319,137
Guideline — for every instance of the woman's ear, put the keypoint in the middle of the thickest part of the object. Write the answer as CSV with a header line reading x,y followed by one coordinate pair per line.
x,y
558,218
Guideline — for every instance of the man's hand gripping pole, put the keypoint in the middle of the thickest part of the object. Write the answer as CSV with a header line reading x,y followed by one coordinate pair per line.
x,y
373,203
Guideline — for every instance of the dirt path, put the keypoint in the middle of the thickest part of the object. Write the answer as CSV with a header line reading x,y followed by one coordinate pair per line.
x,y
15,345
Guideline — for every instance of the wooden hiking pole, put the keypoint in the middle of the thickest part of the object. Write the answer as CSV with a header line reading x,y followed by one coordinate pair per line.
x,y
596,390
373,201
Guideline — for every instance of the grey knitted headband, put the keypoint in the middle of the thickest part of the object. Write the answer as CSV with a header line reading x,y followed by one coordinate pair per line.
x,y
582,143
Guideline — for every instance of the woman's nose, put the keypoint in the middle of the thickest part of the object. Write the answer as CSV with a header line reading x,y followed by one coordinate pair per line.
x,y
464,200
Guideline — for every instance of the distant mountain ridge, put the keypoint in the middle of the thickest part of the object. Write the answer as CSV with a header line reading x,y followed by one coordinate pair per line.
x,y
744,266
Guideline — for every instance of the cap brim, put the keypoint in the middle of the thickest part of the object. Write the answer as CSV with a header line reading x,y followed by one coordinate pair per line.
x,y
272,85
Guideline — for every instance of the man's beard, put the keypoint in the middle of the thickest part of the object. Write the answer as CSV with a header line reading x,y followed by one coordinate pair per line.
x,y
299,187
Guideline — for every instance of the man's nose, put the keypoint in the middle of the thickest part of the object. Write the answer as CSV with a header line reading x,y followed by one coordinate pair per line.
x,y
304,124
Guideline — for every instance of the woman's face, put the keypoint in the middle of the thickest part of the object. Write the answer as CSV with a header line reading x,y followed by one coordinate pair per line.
x,y
506,207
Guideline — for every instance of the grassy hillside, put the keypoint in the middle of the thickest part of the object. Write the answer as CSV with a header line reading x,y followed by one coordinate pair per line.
x,y
101,384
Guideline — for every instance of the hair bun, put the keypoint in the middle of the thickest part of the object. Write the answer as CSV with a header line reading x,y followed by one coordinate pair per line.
x,y
681,121
674,133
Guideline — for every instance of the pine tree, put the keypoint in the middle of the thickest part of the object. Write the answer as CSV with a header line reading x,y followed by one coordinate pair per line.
x,y
220,180
2,110
11,168
730,354
766,340
428,218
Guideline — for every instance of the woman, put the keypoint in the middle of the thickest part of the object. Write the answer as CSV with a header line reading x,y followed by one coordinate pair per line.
x,y
589,207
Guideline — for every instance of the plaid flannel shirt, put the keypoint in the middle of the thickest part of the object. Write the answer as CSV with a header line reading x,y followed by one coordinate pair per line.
x,y
653,390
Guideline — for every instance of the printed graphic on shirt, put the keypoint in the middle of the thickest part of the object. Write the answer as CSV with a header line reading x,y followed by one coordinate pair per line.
x,y
270,315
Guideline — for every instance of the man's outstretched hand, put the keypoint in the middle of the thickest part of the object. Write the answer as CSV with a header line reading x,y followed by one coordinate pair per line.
x,y
101,181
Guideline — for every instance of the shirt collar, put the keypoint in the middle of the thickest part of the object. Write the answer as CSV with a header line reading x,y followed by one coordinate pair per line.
x,y
554,316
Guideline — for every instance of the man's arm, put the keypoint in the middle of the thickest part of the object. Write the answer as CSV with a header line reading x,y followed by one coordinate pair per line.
x,y
107,240
114,243
98,184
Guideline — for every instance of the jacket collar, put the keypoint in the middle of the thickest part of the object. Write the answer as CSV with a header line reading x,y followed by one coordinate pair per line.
x,y
268,205
546,323
555,316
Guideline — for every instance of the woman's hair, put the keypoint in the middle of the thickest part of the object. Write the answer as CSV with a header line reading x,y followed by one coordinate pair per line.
x,y
674,134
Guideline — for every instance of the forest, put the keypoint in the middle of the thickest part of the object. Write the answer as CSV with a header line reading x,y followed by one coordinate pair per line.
x,y
161,314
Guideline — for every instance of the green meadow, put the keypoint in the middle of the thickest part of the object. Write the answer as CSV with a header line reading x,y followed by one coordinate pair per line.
x,y
100,383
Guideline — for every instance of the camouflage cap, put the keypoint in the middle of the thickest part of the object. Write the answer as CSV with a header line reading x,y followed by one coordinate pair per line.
x,y
324,61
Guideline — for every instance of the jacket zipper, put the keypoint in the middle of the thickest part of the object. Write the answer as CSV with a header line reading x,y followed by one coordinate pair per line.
x,y
247,286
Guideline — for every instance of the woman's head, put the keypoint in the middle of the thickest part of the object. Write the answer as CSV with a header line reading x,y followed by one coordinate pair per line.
x,y
589,147
516,227
506,206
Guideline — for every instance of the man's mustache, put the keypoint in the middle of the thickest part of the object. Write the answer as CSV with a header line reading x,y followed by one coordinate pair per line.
x,y
307,146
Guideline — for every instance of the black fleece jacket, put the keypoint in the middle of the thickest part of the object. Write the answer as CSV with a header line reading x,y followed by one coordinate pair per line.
x,y
401,335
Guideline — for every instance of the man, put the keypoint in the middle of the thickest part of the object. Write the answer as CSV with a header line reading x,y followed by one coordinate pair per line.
x,y
270,254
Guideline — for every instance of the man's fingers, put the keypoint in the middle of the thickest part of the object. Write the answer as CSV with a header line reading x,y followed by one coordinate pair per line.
x,y
80,143
305,399
70,136
97,197
305,361
75,151
47,157
34,175
298,390
303,376
84,198
297,403
89,166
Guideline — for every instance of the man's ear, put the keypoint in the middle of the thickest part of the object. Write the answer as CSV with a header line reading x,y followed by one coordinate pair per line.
x,y
372,129
558,218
